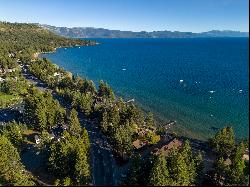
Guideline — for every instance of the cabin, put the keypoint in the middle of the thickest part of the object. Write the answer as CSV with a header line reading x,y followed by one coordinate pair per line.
x,y
165,149
139,144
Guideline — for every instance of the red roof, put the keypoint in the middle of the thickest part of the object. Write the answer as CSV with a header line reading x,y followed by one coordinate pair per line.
x,y
166,148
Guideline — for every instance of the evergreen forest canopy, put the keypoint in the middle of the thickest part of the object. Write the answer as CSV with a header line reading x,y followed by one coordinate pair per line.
x,y
22,41
65,142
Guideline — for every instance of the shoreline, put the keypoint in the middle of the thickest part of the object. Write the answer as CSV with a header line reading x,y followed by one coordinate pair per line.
x,y
180,127
196,143
159,120
36,55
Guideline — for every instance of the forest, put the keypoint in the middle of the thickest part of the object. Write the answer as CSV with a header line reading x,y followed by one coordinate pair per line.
x,y
65,142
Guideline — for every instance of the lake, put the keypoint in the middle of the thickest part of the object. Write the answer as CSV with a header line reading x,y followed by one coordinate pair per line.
x,y
202,83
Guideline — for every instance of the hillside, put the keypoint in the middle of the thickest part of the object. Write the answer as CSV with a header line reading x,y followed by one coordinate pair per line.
x,y
30,116
21,41
90,32
62,130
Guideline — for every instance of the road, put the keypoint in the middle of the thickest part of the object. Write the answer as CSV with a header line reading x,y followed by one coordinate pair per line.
x,y
105,171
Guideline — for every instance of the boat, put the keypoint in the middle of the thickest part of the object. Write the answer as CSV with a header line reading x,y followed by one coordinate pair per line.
x,y
124,69
181,81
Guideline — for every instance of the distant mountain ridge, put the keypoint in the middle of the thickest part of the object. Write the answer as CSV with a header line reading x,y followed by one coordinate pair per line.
x,y
91,32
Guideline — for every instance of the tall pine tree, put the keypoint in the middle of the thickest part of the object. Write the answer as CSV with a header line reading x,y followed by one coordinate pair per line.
x,y
74,124
159,175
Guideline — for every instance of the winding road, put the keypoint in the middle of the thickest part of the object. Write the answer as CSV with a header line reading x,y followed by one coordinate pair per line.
x,y
105,171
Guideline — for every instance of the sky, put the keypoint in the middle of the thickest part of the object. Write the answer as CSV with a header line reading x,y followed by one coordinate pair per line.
x,y
133,15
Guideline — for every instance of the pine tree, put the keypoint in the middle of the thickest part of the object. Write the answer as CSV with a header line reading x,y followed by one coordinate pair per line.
x,y
186,152
199,165
82,168
114,116
135,173
89,86
179,170
182,165
105,91
150,120
40,113
66,182
159,175
60,117
74,124
224,141
12,172
85,102
13,132
236,174
220,172
104,121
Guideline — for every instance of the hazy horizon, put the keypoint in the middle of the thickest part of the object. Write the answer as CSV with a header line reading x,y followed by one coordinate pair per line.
x,y
138,15
121,30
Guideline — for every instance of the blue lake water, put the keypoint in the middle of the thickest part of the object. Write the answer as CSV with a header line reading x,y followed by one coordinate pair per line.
x,y
213,93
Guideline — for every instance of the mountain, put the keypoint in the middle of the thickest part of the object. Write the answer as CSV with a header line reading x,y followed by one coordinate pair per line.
x,y
225,33
90,32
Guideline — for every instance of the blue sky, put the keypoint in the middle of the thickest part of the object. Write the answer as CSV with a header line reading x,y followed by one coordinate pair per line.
x,y
135,15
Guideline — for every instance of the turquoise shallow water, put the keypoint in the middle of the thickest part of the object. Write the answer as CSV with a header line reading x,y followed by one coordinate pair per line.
x,y
213,93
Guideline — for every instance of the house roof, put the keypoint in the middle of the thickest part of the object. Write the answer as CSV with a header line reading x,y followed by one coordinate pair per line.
x,y
138,144
167,147
227,162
